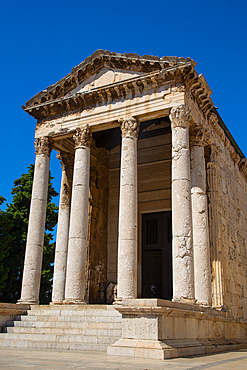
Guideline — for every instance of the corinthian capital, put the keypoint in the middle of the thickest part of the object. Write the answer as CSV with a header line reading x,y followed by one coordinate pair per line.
x,y
130,127
180,116
198,136
82,136
43,146
67,162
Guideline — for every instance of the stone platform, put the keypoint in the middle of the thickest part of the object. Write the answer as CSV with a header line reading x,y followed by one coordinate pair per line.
x,y
159,329
82,327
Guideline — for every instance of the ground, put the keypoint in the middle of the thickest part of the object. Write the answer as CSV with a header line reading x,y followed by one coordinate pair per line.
x,y
38,359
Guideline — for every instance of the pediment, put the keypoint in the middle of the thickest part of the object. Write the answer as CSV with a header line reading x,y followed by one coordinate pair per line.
x,y
104,77
102,68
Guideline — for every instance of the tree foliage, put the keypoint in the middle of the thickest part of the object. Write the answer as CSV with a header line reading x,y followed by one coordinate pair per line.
x,y
13,236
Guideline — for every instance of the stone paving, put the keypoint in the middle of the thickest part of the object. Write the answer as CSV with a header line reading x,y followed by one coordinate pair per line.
x,y
18,359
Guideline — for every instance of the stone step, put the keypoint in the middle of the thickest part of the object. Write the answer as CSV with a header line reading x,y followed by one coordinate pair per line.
x,y
81,327
74,307
65,324
72,318
53,345
67,312
88,332
34,337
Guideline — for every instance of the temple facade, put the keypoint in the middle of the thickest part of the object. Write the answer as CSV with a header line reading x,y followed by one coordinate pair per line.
x,y
153,203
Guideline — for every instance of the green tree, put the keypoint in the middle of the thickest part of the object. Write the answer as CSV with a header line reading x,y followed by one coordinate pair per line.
x,y
13,236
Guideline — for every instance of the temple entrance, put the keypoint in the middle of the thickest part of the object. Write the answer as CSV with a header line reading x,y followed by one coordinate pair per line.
x,y
157,255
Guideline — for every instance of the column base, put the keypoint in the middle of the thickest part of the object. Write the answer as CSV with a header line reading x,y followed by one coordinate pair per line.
x,y
73,301
27,301
185,300
56,302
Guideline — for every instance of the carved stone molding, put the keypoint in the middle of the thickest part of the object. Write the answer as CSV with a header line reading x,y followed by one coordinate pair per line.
x,y
130,127
243,166
67,163
180,116
213,120
83,136
43,146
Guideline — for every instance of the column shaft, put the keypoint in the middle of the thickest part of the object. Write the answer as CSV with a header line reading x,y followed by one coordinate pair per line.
x,y
59,278
36,225
128,212
215,229
77,249
183,274
202,269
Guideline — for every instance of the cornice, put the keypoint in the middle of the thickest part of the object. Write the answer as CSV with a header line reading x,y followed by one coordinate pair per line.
x,y
130,87
99,60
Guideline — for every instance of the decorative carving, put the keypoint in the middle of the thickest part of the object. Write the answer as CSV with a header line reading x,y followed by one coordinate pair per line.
x,y
83,136
130,127
180,116
213,120
43,146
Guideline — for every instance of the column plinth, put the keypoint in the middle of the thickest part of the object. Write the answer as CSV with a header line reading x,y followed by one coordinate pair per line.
x,y
77,248
59,278
183,269
36,224
201,249
128,211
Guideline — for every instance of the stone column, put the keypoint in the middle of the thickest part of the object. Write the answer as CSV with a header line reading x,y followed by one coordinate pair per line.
x,y
128,211
58,291
36,225
77,248
215,229
201,249
183,271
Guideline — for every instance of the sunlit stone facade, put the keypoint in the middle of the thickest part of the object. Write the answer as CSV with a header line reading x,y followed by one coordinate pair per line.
x,y
153,201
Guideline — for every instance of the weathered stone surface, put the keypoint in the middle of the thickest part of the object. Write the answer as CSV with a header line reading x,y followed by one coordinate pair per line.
x,y
127,239
202,268
59,277
36,226
163,329
183,267
106,90
77,248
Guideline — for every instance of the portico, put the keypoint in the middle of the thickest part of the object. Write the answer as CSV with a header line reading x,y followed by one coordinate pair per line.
x,y
136,138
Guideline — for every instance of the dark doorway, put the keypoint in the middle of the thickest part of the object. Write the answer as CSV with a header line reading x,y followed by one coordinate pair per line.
x,y
157,255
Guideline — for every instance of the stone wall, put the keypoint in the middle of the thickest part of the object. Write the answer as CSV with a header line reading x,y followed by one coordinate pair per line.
x,y
234,236
227,191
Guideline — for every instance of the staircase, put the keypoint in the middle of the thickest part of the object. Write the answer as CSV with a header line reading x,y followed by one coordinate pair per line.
x,y
81,327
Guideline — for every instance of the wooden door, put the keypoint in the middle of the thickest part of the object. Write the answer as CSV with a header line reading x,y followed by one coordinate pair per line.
x,y
157,255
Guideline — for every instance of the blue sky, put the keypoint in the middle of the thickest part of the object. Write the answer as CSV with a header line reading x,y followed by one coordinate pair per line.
x,y
41,41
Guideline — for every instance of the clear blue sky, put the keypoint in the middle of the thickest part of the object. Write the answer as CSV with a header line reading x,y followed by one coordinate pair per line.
x,y
41,41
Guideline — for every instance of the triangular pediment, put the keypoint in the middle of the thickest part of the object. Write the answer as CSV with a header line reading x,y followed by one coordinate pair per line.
x,y
104,77
103,68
